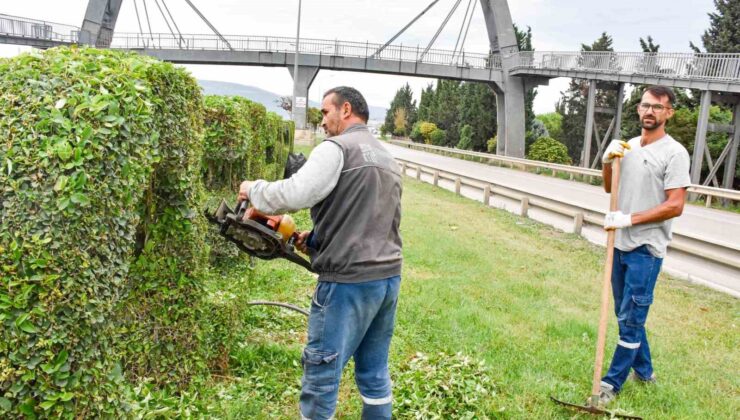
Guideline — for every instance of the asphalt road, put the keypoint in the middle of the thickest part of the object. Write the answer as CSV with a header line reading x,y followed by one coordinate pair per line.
x,y
716,229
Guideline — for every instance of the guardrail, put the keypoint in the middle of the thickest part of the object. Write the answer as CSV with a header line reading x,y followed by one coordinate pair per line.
x,y
305,46
693,245
697,66
590,174
38,29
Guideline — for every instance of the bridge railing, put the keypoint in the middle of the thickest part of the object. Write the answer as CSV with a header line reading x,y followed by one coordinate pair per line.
x,y
38,29
306,46
671,65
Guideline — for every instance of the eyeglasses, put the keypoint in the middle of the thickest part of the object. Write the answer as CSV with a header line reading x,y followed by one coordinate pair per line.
x,y
656,107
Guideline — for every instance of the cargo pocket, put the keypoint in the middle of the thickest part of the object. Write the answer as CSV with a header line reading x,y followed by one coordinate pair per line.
x,y
320,370
640,306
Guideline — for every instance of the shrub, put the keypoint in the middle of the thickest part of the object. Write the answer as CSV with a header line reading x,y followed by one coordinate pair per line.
x,y
491,144
227,139
98,185
547,149
466,138
437,137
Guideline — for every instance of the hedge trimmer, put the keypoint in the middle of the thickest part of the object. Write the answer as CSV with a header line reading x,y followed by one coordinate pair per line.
x,y
257,234
261,236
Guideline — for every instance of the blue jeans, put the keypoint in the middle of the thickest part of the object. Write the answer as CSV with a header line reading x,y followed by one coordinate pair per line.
x,y
349,320
633,280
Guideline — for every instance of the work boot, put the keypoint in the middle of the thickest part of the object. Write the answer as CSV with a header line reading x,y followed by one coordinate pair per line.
x,y
639,379
606,395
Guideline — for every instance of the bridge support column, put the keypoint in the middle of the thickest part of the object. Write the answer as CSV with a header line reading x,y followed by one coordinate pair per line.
x,y
100,20
510,106
590,114
500,120
732,157
303,81
618,115
700,141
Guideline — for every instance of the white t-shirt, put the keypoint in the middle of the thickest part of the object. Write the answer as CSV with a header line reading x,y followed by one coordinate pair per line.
x,y
646,173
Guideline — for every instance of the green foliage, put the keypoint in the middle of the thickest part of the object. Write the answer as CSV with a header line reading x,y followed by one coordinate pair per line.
x,y
572,105
553,123
99,176
242,141
466,138
314,117
441,386
723,34
403,100
477,109
547,149
438,137
491,144
228,135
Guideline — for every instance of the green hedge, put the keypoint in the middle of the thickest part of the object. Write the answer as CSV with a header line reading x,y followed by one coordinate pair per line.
x,y
100,245
243,141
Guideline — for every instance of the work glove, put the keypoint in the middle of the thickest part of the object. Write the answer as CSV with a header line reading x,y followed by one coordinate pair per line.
x,y
617,220
616,148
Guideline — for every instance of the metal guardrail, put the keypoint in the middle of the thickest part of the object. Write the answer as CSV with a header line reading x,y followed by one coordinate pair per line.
x,y
688,244
306,46
38,29
695,66
525,164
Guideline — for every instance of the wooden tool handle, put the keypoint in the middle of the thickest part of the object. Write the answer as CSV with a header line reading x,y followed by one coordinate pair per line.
x,y
606,286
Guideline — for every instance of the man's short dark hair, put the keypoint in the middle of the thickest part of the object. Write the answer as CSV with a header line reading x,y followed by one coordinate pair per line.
x,y
344,94
661,91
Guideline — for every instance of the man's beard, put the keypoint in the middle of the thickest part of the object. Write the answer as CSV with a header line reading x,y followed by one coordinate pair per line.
x,y
650,125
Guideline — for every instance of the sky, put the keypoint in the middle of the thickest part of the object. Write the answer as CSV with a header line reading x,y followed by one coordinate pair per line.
x,y
557,25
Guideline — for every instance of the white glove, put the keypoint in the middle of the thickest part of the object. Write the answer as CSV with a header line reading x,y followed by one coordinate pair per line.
x,y
617,220
616,148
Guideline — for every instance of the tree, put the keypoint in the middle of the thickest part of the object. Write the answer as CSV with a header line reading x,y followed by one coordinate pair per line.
x,y
524,40
285,102
723,35
314,117
445,110
572,105
400,122
547,149
426,103
402,99
477,108
553,123
466,138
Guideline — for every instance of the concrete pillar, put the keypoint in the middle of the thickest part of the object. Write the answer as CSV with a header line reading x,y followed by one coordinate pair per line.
x,y
590,113
100,20
501,124
732,157
502,40
306,76
618,115
700,140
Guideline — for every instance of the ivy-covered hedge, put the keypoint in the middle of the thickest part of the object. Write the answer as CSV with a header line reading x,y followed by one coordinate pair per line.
x,y
100,243
243,141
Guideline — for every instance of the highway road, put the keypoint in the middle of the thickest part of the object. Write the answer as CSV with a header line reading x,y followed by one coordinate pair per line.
x,y
698,226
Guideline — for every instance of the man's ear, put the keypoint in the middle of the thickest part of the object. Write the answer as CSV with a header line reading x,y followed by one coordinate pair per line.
x,y
346,110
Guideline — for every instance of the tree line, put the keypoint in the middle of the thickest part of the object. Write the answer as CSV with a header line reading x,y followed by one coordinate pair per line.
x,y
463,114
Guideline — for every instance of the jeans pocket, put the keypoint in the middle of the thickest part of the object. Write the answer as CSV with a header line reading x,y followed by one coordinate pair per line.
x,y
639,310
320,369
322,294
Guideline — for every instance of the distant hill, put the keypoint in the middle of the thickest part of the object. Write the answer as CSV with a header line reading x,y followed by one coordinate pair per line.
x,y
266,98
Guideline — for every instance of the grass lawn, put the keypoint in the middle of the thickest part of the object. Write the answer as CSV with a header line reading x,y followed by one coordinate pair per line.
x,y
483,285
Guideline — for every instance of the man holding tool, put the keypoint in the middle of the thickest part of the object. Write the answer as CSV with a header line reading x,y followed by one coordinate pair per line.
x,y
353,187
652,191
